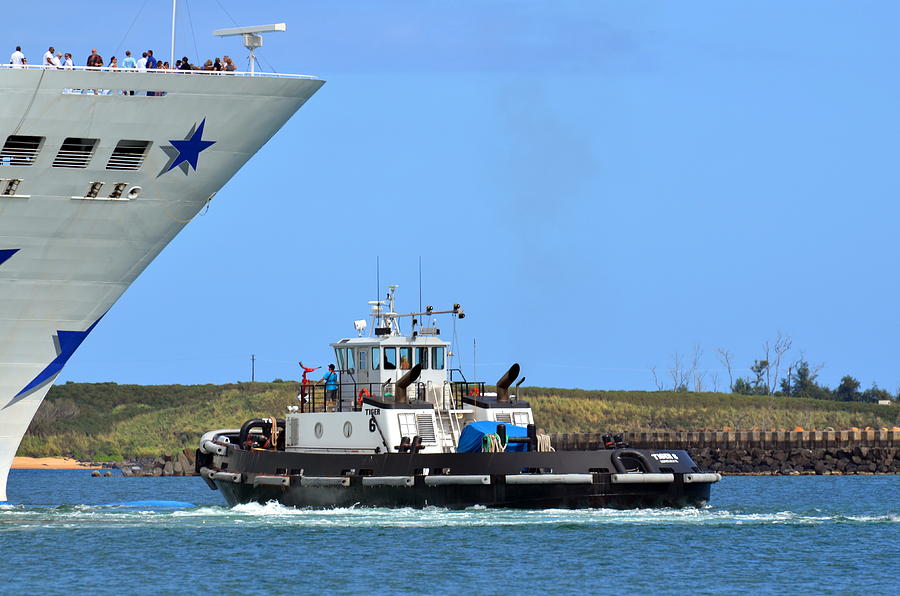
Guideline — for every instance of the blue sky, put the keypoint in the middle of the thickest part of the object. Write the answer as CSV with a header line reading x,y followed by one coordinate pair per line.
x,y
599,184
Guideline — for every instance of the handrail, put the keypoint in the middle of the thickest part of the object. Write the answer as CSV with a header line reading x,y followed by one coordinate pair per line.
x,y
274,75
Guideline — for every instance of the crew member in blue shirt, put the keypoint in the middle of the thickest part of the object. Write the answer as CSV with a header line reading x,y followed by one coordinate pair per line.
x,y
331,384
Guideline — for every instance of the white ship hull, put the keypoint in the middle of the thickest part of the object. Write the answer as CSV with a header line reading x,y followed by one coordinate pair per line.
x,y
66,258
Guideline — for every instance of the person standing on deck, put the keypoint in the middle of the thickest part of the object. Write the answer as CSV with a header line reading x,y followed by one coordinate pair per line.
x,y
331,384
17,58
95,60
129,62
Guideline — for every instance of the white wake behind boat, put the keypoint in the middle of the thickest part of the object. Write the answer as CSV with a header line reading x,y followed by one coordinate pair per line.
x,y
99,170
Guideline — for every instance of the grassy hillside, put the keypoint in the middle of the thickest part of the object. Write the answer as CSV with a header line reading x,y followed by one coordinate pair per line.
x,y
573,410
109,421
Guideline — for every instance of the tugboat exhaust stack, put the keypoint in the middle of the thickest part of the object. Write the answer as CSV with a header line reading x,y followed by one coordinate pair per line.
x,y
505,381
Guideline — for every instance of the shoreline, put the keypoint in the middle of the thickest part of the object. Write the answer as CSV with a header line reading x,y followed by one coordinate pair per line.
x,y
52,463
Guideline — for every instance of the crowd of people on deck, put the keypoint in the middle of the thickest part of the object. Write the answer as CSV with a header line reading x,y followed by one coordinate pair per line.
x,y
147,62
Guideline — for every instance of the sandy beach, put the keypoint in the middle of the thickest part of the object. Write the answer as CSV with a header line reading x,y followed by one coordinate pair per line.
x,y
50,463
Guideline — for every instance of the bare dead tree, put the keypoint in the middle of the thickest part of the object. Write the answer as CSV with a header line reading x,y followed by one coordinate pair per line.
x,y
678,373
768,368
695,373
715,381
656,381
727,359
782,345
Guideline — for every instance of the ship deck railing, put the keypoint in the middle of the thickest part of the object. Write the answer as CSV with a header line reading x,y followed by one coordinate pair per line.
x,y
121,70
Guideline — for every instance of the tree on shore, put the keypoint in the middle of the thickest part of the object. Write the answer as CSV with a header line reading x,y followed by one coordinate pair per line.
x,y
848,390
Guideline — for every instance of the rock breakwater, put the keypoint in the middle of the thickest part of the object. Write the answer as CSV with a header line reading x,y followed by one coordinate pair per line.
x,y
855,460
766,452
180,463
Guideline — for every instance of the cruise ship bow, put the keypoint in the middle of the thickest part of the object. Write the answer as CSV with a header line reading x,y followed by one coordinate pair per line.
x,y
99,170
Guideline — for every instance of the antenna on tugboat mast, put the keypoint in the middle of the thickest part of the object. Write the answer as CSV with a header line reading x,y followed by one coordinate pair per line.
x,y
172,54
474,361
420,283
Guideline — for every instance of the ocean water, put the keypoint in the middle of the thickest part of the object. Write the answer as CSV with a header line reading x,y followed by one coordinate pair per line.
x,y
65,531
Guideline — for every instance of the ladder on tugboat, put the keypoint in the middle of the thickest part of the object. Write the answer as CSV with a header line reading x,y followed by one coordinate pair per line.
x,y
447,420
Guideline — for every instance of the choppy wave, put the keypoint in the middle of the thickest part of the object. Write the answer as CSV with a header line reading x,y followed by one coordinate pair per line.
x,y
270,514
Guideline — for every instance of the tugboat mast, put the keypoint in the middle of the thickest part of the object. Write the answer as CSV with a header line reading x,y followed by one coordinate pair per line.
x,y
387,323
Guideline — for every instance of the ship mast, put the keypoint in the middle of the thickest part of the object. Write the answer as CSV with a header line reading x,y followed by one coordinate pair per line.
x,y
172,53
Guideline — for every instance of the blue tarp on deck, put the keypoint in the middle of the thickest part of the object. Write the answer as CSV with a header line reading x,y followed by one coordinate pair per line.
x,y
470,437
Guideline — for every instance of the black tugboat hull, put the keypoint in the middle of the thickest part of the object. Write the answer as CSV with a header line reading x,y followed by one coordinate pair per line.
x,y
459,497
529,480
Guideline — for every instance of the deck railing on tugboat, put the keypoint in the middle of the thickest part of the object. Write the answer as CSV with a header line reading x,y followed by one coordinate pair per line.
x,y
350,396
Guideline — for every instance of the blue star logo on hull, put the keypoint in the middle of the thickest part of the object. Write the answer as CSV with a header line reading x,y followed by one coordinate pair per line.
x,y
185,153
5,253
66,344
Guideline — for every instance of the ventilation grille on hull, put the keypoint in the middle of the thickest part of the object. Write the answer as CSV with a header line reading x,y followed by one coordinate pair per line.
x,y
128,155
20,150
75,153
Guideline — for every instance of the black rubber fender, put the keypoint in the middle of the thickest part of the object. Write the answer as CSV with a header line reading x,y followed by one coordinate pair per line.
x,y
263,423
647,463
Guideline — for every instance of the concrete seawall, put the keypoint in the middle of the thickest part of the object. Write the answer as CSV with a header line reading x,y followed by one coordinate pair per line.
x,y
766,452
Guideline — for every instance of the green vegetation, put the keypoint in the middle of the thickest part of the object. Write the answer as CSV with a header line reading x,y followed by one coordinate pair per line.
x,y
106,421
575,410
775,374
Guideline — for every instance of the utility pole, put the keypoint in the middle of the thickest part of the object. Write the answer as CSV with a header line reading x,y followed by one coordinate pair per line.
x,y
252,368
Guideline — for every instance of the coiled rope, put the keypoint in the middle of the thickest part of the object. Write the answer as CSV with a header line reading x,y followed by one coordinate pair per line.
x,y
543,443
490,443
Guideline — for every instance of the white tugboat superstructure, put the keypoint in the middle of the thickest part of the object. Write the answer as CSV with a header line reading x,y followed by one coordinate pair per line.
x,y
99,170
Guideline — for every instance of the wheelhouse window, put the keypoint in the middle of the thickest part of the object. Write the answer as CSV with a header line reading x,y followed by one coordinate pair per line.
x,y
362,359
390,358
376,358
128,155
340,354
350,364
437,358
405,358
422,357
20,150
75,153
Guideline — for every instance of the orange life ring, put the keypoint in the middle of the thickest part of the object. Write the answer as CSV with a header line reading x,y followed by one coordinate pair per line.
x,y
474,392
362,393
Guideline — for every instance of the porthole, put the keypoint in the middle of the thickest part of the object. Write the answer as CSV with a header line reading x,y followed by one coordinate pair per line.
x,y
134,193
319,430
348,429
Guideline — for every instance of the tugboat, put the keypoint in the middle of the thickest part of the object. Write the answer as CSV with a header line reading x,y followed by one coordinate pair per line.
x,y
404,429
